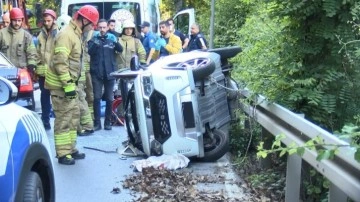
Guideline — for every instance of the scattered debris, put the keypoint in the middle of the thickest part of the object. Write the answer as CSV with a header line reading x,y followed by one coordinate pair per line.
x,y
169,162
164,185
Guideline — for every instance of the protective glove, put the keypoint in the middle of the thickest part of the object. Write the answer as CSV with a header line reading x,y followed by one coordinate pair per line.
x,y
161,42
157,47
70,91
96,33
112,38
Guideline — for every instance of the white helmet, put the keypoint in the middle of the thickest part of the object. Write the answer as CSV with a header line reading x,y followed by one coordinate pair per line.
x,y
128,24
62,21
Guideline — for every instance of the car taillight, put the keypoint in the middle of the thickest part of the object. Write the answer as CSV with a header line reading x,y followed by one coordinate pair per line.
x,y
26,84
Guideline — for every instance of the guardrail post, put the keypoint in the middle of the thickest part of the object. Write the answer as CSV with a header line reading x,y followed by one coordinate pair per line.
x,y
336,195
268,138
293,178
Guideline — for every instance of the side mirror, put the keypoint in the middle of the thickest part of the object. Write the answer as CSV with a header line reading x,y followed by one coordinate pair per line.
x,y
134,63
8,91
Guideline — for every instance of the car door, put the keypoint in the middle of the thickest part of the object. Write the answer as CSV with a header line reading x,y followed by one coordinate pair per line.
x,y
6,166
183,20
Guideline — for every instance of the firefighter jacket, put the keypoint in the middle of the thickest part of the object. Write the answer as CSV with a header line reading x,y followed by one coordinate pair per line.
x,y
86,37
64,68
86,57
45,48
18,46
132,46
102,55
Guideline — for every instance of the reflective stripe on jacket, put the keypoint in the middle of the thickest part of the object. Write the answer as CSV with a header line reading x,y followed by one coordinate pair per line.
x,y
18,46
65,64
45,48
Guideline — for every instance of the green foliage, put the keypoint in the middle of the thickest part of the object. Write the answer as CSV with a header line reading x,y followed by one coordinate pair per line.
x,y
229,17
324,151
268,179
244,137
297,53
316,186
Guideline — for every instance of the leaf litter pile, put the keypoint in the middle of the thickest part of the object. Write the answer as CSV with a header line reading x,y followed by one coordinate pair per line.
x,y
164,185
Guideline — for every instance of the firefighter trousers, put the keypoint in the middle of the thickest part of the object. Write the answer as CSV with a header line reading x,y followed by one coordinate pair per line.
x,y
67,118
89,94
86,121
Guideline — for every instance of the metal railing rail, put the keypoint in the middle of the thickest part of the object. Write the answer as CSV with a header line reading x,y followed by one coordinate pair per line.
x,y
343,171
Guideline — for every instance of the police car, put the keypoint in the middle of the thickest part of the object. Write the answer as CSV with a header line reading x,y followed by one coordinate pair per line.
x,y
26,169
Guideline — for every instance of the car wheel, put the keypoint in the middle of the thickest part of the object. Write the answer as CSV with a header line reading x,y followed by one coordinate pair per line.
x,y
215,147
202,67
131,122
33,189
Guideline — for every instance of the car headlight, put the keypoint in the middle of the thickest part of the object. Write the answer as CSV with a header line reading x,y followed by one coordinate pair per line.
x,y
147,85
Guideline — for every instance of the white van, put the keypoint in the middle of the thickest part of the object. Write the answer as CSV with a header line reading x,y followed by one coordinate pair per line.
x,y
135,10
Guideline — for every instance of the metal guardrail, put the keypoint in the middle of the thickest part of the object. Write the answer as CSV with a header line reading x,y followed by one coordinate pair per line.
x,y
343,171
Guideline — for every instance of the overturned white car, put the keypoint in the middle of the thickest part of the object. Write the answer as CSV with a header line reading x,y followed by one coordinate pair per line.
x,y
181,103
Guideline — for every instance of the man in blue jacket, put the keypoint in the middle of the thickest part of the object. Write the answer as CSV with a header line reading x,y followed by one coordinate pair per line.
x,y
148,41
102,49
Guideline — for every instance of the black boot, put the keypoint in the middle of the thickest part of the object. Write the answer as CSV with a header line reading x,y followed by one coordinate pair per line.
x,y
66,160
97,127
107,127
77,155
85,132
107,124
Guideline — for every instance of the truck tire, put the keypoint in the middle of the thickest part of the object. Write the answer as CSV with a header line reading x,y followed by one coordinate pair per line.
x,y
219,148
33,189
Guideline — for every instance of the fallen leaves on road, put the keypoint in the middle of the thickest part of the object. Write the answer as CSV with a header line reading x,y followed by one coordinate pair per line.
x,y
164,185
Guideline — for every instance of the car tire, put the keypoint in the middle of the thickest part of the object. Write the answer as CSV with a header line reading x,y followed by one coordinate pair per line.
x,y
33,189
201,72
221,147
201,67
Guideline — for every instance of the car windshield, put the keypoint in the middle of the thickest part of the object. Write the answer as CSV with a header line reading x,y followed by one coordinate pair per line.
x,y
112,10
4,62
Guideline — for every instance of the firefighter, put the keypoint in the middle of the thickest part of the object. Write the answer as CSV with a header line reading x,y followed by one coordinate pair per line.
x,y
16,43
61,79
45,47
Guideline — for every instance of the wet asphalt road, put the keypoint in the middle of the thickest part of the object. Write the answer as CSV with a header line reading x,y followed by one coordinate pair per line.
x,y
93,179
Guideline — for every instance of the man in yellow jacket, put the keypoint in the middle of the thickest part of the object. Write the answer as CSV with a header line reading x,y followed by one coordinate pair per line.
x,y
168,43
16,43
46,39
61,79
